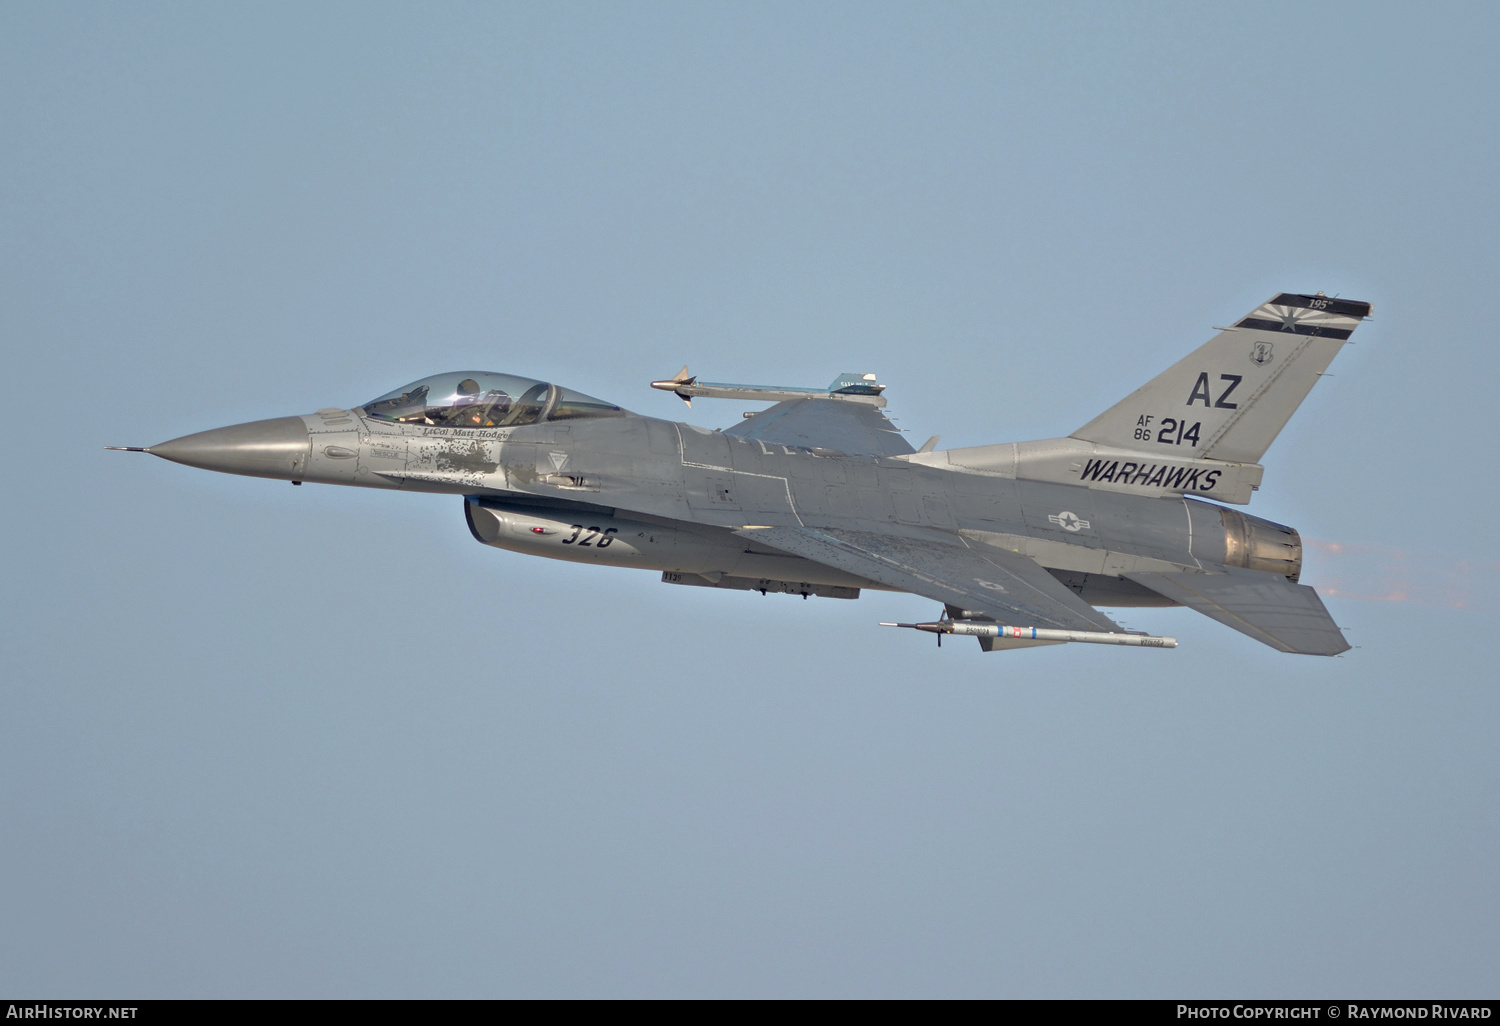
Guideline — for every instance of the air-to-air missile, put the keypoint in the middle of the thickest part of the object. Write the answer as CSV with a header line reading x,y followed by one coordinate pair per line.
x,y
971,629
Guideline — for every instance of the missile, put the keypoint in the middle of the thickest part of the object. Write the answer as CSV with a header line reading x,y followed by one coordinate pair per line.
x,y
679,385
857,387
972,629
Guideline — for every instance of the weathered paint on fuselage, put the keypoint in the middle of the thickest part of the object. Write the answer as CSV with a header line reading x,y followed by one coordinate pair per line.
x,y
712,482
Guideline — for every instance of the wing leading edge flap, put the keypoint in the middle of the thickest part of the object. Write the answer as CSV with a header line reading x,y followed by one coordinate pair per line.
x,y
848,427
1267,607
1010,587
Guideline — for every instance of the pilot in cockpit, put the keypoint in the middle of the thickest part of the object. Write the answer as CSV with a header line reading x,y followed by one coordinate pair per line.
x,y
483,399
469,409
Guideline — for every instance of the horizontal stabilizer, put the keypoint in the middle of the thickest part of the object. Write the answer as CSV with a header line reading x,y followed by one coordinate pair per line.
x,y
1267,607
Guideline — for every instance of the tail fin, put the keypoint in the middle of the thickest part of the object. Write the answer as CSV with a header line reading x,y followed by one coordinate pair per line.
x,y
1231,397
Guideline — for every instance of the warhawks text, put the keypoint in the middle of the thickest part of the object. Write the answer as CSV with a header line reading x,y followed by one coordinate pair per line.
x,y
1152,475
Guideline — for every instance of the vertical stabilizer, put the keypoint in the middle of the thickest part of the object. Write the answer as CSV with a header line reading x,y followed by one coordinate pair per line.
x,y
1231,397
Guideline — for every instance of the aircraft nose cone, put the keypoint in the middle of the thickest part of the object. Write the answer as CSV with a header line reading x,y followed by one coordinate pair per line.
x,y
263,448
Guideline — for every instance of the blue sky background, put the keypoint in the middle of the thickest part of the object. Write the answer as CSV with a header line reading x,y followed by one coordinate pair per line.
x,y
264,741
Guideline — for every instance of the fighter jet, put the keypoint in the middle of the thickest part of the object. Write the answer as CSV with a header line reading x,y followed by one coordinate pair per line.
x,y
819,494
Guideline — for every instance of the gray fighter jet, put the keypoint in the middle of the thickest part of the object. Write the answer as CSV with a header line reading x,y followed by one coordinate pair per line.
x,y
820,495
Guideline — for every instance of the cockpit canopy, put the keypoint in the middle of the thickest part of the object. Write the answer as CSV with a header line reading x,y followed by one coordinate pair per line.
x,y
481,399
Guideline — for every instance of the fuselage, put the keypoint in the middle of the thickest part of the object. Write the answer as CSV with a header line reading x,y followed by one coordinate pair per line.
x,y
630,490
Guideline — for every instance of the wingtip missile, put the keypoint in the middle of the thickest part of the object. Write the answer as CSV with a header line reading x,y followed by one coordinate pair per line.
x,y
676,384
862,388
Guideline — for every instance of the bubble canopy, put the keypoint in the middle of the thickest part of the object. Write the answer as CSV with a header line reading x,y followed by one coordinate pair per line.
x,y
483,399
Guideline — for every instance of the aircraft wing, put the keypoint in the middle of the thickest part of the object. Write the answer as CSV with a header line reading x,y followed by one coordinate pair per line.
x,y
854,428
1008,586
1269,608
